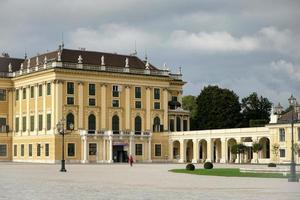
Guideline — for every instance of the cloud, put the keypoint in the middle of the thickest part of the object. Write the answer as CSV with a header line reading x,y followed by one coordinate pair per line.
x,y
286,68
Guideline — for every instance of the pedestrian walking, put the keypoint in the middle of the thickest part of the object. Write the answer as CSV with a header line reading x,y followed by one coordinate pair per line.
x,y
130,160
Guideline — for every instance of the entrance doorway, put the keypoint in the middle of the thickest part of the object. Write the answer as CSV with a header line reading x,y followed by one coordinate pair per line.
x,y
119,154
92,152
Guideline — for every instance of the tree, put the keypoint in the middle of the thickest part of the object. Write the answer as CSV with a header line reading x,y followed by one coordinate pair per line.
x,y
217,108
256,147
256,110
238,149
189,103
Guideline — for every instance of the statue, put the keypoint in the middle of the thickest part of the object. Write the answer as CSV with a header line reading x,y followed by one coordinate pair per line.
x,y
102,61
126,62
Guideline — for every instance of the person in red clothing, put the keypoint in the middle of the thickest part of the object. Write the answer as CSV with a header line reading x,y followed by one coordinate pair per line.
x,y
130,160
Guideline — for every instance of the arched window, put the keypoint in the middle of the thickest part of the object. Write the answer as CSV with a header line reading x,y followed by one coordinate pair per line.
x,y
156,125
91,124
70,120
115,124
138,125
178,124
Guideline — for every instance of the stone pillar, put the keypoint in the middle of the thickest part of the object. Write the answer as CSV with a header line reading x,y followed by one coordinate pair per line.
x,y
53,125
44,108
239,140
223,150
59,101
10,109
20,110
104,150
103,106
209,150
195,151
110,159
127,107
166,108
148,109
175,123
188,124
149,150
36,117
171,150
85,150
131,146
181,123
80,104
182,151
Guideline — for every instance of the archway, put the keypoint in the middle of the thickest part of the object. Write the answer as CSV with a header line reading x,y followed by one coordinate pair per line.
x,y
265,152
231,157
217,154
202,150
91,124
189,150
115,124
248,155
176,150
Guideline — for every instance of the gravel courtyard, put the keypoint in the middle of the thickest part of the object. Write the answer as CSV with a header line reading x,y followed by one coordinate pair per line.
x,y
142,181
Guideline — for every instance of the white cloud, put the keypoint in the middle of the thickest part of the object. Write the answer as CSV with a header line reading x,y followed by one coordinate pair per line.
x,y
286,68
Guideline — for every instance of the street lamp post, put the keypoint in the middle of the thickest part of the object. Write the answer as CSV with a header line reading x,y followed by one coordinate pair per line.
x,y
61,129
293,176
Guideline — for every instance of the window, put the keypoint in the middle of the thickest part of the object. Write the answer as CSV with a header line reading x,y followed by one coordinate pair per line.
x,y
185,125
298,134
115,103
138,92
24,93
70,120
174,98
138,125
157,149
48,88
92,102
156,93
92,89
92,149
172,128
156,125
178,124
138,104
3,150
281,135
40,90
32,92
22,150
38,150
31,123
46,150
24,124
17,124
48,122
115,91
70,88
2,95
138,149
70,100
156,105
40,122
30,150
2,121
17,95
92,123
282,153
71,149
15,150
115,124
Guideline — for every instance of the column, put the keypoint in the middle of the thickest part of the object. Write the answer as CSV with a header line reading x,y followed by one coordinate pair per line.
x,y
171,150
59,101
44,108
175,123
166,108
127,107
85,149
80,104
104,150
238,159
209,150
223,150
20,110
103,106
195,151
148,108
36,124
10,109
182,151
53,125
181,123
110,150
149,150
131,146
27,109
188,124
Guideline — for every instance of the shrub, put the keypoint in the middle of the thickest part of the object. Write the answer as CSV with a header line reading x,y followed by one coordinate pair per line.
x,y
271,165
208,165
190,167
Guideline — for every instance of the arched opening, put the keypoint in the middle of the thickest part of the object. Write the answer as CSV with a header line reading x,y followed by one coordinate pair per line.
x,y
138,125
217,154
91,124
249,151
265,152
176,150
156,125
231,157
202,150
189,150
178,124
115,124
70,120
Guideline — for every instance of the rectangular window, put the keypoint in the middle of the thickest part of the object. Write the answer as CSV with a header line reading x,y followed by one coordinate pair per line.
x,y
71,149
299,135
48,122
40,122
38,150
157,149
17,124
185,125
156,93
156,105
2,121
31,123
15,150
92,149
3,150
24,93
172,125
48,88
46,150
92,102
17,95
70,88
30,150
115,91
32,92
92,89
138,92
115,103
174,98
40,90
24,124
138,104
281,135
70,100
2,95
22,150
139,149
282,153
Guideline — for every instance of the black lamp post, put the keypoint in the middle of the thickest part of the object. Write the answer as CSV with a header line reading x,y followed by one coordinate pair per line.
x,y
61,129
293,176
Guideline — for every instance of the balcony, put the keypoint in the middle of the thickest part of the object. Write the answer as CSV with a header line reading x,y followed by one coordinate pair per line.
x,y
125,133
4,129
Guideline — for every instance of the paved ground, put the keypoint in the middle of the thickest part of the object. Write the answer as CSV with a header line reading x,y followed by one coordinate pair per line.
x,y
142,181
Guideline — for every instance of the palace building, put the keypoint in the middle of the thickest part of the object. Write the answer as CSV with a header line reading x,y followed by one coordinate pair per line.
x,y
113,106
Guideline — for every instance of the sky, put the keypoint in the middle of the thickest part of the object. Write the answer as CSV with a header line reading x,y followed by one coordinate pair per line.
x,y
245,46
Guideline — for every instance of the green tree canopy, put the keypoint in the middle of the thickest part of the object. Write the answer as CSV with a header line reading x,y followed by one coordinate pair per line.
x,y
189,103
257,109
217,108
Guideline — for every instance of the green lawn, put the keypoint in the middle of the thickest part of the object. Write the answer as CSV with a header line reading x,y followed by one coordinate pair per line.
x,y
229,172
